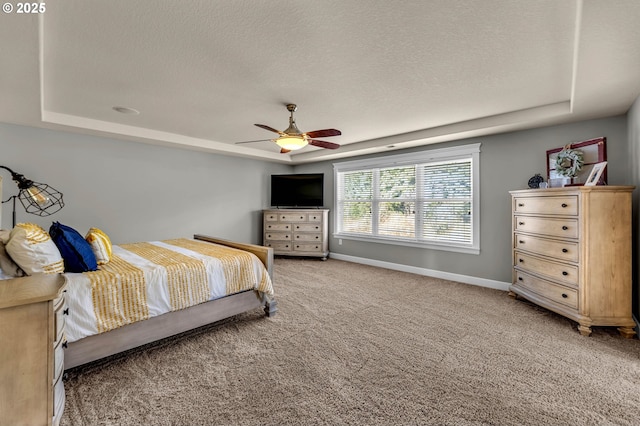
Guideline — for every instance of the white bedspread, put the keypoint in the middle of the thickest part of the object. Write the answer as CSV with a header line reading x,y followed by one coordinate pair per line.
x,y
144,280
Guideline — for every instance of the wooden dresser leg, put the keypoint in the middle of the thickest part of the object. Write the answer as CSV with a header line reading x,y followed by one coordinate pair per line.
x,y
585,330
627,332
512,294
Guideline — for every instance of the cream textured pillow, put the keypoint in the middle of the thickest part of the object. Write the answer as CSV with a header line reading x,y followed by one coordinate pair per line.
x,y
33,250
100,244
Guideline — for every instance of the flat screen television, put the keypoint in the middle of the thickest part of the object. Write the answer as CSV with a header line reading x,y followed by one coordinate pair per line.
x,y
297,190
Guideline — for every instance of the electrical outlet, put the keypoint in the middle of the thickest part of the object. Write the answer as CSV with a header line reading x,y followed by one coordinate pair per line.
x,y
339,241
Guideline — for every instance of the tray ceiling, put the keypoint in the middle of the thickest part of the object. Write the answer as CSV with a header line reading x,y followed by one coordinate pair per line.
x,y
388,74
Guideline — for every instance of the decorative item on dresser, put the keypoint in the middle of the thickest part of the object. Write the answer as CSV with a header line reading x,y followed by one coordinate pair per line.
x,y
297,232
32,321
572,253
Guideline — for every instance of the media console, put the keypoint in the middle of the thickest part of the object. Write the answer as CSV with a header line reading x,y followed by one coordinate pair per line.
x,y
297,232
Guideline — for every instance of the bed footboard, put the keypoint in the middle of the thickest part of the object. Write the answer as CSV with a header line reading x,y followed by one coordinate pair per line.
x,y
265,254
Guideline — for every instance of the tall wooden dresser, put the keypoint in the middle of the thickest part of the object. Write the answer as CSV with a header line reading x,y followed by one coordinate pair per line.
x,y
32,319
572,253
297,232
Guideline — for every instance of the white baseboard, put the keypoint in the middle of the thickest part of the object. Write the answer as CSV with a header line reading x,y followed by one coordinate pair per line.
x,y
482,282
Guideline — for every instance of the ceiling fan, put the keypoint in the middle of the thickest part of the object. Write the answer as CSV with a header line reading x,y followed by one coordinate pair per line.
x,y
292,138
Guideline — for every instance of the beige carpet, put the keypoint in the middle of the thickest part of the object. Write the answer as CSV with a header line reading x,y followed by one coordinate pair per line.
x,y
358,345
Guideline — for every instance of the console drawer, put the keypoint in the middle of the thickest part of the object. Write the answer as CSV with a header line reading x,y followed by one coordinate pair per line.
x,y
308,247
278,227
277,236
307,227
293,217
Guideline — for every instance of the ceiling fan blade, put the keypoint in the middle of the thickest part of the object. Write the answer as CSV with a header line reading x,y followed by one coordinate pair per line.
x,y
284,151
323,144
324,133
271,129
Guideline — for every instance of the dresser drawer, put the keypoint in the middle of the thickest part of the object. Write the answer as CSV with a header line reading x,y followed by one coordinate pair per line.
x,y
316,248
271,217
279,246
314,217
278,227
277,236
559,272
307,237
307,227
561,250
293,217
561,205
565,228
547,289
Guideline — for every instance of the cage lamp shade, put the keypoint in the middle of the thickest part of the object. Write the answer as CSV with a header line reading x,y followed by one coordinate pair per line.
x,y
37,198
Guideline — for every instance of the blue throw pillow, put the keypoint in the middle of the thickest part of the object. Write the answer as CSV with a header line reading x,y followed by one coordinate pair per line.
x,y
75,250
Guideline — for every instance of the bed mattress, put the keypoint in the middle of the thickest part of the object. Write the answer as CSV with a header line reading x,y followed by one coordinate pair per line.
x,y
147,279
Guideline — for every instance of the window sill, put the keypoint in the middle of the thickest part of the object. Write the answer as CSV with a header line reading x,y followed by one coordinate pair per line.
x,y
423,245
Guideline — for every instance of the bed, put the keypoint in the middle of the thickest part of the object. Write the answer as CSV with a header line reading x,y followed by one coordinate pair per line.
x,y
138,293
171,312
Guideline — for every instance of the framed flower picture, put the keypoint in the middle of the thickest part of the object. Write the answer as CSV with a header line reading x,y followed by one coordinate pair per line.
x,y
593,151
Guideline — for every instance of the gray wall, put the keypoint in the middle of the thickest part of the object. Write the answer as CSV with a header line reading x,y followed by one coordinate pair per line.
x,y
633,123
507,161
137,192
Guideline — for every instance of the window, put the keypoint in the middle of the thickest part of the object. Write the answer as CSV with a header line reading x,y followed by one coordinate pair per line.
x,y
426,199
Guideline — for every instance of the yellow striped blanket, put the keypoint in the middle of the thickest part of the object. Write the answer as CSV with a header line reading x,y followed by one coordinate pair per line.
x,y
148,279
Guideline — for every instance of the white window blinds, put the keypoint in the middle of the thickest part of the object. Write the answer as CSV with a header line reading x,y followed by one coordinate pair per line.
x,y
426,199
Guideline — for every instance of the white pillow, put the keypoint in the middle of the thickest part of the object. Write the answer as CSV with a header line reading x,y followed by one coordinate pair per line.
x,y
33,250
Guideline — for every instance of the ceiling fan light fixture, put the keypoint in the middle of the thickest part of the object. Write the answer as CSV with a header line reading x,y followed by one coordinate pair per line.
x,y
291,142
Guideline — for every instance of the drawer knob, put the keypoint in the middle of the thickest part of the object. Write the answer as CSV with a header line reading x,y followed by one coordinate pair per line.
x,y
564,205
317,227
64,344
520,279
65,312
564,228
521,260
520,223
520,204
301,217
297,226
565,273
317,237
564,295
565,251
521,242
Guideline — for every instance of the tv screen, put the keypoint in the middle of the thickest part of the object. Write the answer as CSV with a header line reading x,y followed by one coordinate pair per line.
x,y
300,190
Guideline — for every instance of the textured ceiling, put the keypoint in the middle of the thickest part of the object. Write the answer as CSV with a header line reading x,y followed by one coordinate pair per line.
x,y
401,73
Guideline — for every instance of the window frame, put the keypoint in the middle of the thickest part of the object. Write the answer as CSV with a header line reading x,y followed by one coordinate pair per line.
x,y
464,152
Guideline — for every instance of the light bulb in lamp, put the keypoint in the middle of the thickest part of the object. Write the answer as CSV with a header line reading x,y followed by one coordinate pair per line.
x,y
37,196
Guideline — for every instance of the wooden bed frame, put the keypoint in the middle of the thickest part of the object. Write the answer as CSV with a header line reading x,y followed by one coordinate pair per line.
x,y
98,346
